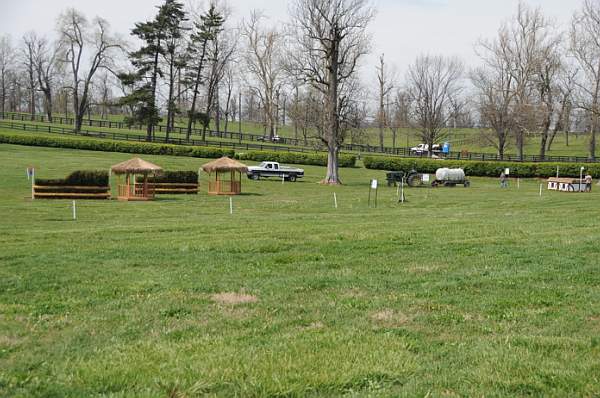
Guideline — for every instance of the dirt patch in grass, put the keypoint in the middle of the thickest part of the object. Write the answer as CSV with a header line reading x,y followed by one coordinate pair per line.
x,y
9,341
389,317
233,298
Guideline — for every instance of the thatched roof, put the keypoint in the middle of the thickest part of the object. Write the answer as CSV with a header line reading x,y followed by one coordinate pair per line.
x,y
225,164
136,166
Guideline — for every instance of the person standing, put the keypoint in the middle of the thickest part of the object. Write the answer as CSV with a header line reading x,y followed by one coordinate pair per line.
x,y
503,180
588,183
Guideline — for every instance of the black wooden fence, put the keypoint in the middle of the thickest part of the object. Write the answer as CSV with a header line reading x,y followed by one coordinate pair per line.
x,y
285,144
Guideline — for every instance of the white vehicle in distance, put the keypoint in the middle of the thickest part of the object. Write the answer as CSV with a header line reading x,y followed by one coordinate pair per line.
x,y
424,148
276,138
274,169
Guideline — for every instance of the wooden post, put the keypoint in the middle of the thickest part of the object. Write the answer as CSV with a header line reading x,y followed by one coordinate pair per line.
x,y
32,184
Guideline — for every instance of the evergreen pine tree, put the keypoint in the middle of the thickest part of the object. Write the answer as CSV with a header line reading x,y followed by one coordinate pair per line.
x,y
155,35
205,31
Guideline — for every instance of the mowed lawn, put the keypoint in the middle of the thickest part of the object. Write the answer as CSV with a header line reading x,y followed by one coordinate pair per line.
x,y
458,292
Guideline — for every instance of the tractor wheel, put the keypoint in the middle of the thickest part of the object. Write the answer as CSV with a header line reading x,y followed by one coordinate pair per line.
x,y
414,180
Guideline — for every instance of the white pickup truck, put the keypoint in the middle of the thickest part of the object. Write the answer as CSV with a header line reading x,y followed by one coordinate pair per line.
x,y
424,148
274,169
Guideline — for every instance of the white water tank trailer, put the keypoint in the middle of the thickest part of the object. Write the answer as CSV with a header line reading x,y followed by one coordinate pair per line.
x,y
450,177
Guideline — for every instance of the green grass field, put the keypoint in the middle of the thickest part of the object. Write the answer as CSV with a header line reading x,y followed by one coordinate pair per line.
x,y
458,292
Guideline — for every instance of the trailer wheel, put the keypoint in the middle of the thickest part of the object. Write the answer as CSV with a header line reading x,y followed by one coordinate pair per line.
x,y
467,184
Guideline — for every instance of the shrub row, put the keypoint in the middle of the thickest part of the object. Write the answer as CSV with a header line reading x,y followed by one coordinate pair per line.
x,y
115,146
314,159
84,178
174,177
481,169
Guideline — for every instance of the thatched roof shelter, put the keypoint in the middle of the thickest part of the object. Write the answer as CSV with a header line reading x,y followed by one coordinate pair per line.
x,y
225,164
228,176
136,166
131,190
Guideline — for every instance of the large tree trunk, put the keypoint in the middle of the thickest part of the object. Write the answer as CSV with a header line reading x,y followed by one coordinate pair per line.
x,y
520,138
170,101
332,131
76,118
49,106
332,177
544,140
3,97
154,82
196,90
592,142
501,145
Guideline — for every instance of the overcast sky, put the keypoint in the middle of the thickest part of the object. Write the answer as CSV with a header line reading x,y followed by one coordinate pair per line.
x,y
402,30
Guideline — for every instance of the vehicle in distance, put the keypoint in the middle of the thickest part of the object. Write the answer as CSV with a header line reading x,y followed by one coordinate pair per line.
x,y
275,138
424,148
274,169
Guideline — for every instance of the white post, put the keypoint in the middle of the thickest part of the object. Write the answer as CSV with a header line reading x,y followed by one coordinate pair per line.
x,y
581,178
335,200
557,171
402,197
74,211
541,187
518,183
230,205
282,179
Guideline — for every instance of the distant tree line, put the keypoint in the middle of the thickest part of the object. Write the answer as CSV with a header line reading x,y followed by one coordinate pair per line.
x,y
190,64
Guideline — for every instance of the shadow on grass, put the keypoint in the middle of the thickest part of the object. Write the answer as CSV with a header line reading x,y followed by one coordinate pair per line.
x,y
249,194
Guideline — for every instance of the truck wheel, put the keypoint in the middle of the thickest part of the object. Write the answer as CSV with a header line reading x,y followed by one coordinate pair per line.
x,y
255,177
467,184
292,178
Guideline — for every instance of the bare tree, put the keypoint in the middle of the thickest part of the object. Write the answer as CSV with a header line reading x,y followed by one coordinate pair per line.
x,y
585,46
330,39
263,60
400,117
433,82
494,100
30,43
45,66
548,72
229,80
77,39
104,94
528,38
385,80
6,66
566,87
220,53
